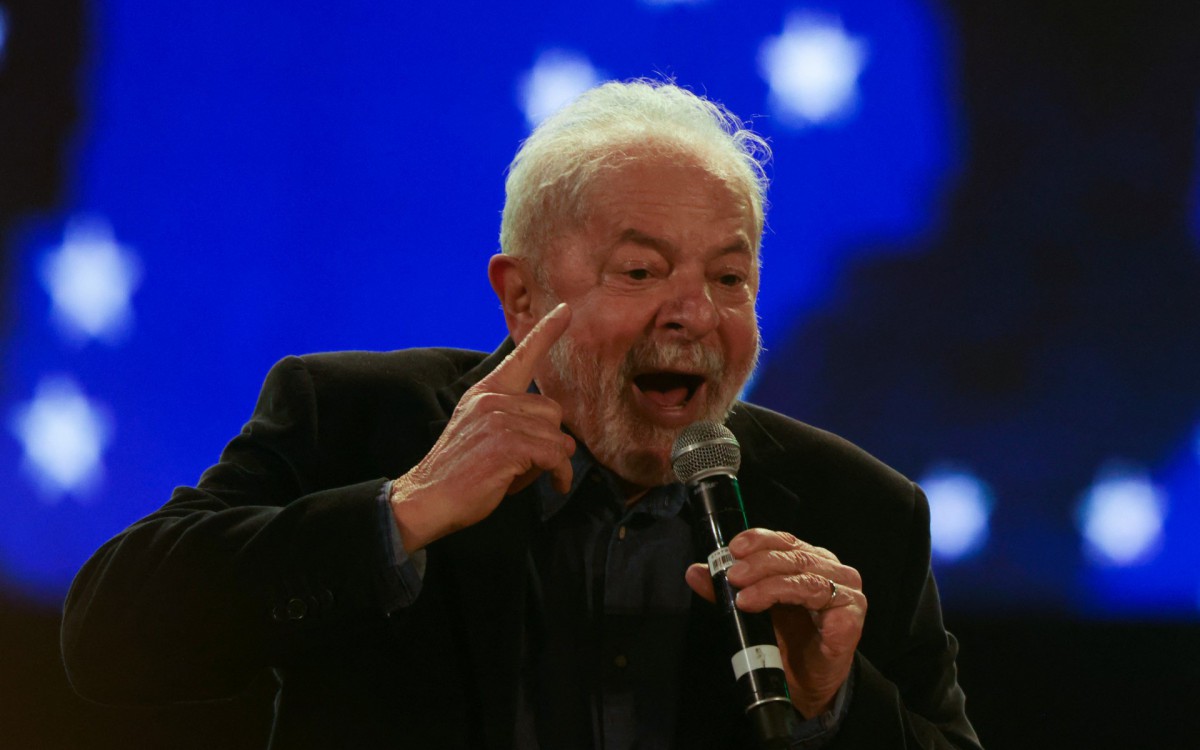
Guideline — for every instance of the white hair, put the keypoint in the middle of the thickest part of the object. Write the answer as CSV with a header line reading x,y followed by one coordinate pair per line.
x,y
548,180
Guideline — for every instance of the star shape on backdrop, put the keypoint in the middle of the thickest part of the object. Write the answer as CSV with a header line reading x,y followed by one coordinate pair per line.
x,y
1121,517
960,508
812,69
90,278
63,434
556,78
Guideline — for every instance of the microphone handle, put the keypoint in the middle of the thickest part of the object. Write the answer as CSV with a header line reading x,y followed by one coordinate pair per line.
x,y
757,664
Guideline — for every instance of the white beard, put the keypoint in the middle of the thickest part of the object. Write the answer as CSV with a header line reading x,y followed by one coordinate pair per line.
x,y
605,418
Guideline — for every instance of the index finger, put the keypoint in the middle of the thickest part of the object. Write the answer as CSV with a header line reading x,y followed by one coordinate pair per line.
x,y
756,540
515,373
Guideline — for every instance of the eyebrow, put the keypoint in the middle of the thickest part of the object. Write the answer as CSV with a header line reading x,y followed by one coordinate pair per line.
x,y
638,237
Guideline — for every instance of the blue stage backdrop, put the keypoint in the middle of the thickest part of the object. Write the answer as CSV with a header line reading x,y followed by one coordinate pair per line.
x,y
249,179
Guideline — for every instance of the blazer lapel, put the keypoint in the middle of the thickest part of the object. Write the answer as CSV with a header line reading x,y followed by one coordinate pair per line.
x,y
451,394
490,573
769,504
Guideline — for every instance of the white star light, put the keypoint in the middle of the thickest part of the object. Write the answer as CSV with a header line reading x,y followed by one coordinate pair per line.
x,y
812,69
90,279
63,434
1121,517
959,508
557,77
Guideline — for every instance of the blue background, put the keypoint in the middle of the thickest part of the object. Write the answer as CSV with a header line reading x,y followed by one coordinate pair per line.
x,y
293,177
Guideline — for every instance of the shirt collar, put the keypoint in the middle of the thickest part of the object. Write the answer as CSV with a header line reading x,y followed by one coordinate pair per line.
x,y
664,501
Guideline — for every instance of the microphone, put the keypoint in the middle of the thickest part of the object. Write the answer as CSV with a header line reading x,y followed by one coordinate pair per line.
x,y
706,457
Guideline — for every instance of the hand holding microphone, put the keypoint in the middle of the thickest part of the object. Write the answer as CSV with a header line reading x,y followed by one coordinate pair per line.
x,y
768,581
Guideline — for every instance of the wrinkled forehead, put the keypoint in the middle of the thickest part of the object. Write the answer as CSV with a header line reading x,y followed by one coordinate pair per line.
x,y
612,169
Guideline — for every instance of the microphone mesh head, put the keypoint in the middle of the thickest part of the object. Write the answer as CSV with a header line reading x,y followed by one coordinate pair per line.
x,y
705,448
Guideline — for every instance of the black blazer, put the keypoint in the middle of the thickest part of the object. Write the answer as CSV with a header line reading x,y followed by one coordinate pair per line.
x,y
274,561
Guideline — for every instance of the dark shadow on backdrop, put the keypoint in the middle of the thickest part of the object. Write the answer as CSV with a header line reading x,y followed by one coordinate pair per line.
x,y
1052,324
40,100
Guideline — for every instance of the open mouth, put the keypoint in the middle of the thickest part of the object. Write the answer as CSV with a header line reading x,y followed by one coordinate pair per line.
x,y
670,390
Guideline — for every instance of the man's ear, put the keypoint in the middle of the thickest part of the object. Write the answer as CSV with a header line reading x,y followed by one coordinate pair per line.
x,y
514,286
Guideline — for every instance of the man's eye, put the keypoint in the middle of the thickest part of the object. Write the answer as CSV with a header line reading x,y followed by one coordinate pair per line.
x,y
730,279
638,274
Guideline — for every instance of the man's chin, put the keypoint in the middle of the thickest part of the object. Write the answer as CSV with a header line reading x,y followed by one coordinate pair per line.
x,y
639,450
643,461
645,469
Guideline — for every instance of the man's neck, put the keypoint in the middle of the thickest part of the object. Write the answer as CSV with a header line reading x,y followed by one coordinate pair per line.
x,y
632,492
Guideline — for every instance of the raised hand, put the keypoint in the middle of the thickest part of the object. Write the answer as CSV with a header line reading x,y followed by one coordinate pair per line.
x,y
499,439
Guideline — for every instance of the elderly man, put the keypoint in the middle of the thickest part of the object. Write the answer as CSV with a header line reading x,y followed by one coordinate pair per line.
x,y
441,548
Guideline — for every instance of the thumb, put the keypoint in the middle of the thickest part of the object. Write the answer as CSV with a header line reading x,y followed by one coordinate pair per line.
x,y
697,576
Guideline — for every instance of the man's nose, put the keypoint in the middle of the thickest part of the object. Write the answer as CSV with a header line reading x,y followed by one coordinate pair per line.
x,y
689,309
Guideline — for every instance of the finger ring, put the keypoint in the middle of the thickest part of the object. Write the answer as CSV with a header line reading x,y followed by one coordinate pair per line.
x,y
833,589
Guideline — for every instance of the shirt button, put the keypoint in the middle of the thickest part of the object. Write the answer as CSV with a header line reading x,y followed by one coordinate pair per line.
x,y
621,661
296,608
621,533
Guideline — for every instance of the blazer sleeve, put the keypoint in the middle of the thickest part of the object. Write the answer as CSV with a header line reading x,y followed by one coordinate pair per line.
x,y
256,566
909,697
